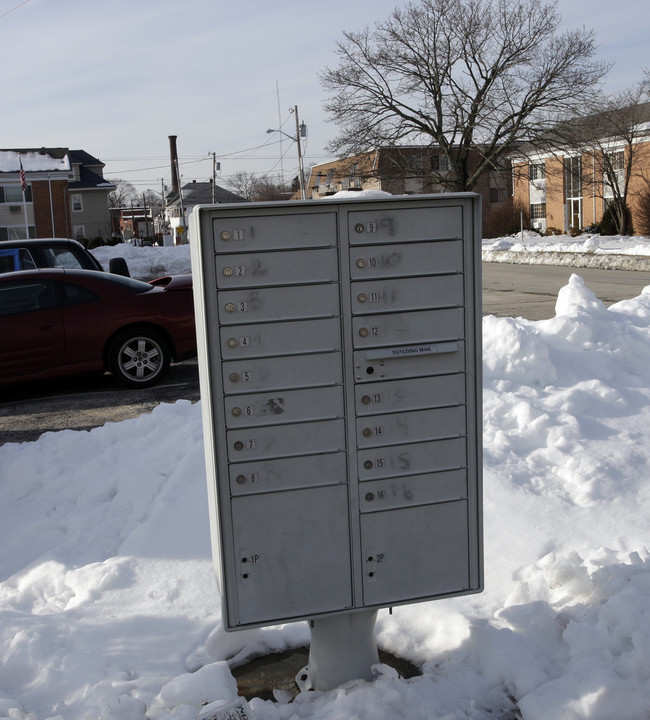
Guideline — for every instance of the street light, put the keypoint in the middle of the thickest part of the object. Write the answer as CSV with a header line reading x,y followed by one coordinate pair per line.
x,y
301,131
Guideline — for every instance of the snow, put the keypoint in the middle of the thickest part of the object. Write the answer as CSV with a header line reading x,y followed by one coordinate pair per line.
x,y
109,607
31,161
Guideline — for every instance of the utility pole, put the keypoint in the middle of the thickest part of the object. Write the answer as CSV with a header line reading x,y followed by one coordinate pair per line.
x,y
215,166
300,129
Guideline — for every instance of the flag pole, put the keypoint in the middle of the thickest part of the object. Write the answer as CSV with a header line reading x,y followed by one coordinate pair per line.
x,y
23,187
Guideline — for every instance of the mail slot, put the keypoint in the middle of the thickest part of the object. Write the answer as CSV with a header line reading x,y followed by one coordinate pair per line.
x,y
412,490
282,338
393,363
412,459
402,328
285,440
286,473
435,391
284,406
375,226
249,232
406,259
277,268
379,430
431,538
273,373
407,294
284,303
276,559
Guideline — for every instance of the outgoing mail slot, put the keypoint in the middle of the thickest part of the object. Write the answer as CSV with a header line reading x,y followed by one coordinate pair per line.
x,y
388,363
378,430
387,225
431,538
279,303
261,232
407,294
412,459
413,327
406,259
274,373
283,406
412,490
287,473
427,392
283,338
277,268
273,441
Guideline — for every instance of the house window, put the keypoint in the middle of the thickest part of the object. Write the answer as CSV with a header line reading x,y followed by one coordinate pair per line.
x,y
617,160
538,211
538,171
498,195
77,203
440,163
79,231
13,194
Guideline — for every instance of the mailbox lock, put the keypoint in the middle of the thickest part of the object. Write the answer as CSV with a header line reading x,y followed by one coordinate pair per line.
x,y
239,445
368,464
361,263
234,377
367,432
236,411
241,479
227,271
365,399
362,297
230,307
359,228
226,235
363,332
370,497
231,343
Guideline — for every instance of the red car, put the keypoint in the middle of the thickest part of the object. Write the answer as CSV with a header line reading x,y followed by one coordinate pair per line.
x,y
63,322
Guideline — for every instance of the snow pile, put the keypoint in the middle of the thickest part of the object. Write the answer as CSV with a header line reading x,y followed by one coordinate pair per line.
x,y
109,607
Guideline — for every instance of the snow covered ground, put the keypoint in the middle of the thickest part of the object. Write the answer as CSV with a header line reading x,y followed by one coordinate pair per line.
x,y
109,608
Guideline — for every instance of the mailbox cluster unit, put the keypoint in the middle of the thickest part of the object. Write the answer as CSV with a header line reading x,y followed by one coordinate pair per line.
x,y
340,360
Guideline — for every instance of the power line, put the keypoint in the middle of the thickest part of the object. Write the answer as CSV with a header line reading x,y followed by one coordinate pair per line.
x,y
24,2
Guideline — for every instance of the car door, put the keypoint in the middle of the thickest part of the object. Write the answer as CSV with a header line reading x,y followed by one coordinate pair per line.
x,y
31,327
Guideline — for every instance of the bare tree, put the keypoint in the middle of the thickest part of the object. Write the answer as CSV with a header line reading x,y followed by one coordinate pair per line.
x,y
473,77
242,183
123,194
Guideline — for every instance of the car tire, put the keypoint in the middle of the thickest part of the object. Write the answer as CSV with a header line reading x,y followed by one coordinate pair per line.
x,y
139,357
118,266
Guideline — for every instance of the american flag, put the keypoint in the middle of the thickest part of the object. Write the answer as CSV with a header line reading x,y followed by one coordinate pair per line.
x,y
23,179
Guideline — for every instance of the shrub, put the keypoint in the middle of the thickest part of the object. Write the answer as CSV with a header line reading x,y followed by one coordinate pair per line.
x,y
643,212
608,224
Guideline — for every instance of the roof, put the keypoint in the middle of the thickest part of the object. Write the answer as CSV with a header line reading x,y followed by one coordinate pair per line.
x,y
81,157
35,160
200,193
89,180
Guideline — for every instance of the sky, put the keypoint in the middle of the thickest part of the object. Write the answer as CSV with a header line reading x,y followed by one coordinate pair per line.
x,y
109,606
117,78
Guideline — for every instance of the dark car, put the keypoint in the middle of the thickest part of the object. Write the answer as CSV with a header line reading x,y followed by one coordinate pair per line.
x,y
63,322
52,253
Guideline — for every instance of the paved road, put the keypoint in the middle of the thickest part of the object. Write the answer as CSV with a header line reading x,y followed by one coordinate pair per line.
x,y
530,291
28,411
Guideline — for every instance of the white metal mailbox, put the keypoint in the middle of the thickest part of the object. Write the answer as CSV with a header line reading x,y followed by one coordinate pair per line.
x,y
339,352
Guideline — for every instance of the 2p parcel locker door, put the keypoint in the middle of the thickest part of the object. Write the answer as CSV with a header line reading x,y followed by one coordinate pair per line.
x,y
339,355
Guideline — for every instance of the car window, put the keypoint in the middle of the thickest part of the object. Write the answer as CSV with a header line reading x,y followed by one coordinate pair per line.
x,y
76,295
16,259
27,296
63,258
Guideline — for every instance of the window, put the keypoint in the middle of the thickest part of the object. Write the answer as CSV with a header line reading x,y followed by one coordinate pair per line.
x,y
440,163
79,232
77,203
76,295
16,232
538,211
27,296
498,195
13,194
538,171
572,177
617,160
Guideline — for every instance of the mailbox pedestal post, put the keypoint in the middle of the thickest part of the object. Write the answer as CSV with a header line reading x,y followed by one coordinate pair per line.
x,y
343,648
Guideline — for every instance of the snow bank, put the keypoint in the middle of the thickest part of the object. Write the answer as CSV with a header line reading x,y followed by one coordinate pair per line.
x,y
109,608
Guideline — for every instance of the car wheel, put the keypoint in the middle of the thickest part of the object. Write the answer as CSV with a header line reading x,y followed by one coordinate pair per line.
x,y
139,357
118,266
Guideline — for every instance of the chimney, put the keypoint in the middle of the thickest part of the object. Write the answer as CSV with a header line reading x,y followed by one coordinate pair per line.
x,y
173,154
